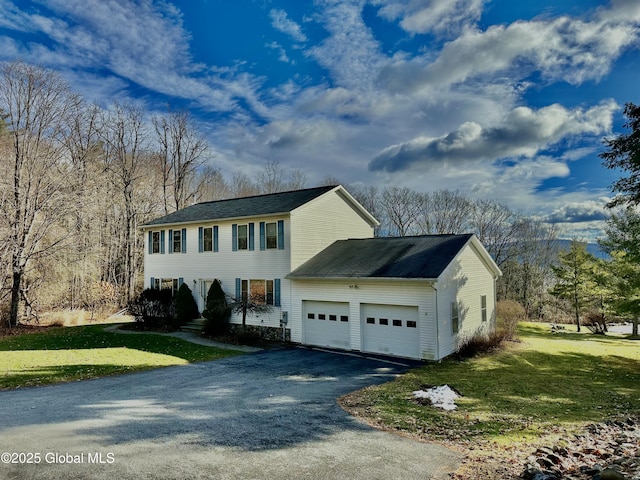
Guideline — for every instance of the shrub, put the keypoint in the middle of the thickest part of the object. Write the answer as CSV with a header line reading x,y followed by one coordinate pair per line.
x,y
186,306
216,312
596,323
154,309
508,314
479,344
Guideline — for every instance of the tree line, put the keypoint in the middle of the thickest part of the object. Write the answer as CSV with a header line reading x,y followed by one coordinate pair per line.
x,y
80,180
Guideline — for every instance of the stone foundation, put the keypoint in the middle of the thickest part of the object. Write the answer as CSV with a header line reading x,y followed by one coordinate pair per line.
x,y
272,334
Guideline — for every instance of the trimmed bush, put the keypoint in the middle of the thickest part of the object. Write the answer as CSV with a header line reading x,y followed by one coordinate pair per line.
x,y
154,309
216,312
186,306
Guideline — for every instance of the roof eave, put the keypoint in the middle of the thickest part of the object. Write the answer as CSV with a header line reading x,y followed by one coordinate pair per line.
x,y
334,278
210,220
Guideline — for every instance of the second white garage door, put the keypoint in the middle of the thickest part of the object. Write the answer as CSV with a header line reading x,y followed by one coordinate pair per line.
x,y
390,329
326,324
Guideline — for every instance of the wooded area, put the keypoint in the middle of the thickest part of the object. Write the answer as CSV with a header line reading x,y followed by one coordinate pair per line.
x,y
81,179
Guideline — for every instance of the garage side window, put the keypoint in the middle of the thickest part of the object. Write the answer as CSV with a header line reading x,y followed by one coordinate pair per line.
x,y
455,321
483,307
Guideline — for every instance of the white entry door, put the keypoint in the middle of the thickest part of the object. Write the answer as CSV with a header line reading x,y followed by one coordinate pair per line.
x,y
326,324
390,330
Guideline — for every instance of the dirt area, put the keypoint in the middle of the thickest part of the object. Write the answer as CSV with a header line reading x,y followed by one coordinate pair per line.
x,y
559,455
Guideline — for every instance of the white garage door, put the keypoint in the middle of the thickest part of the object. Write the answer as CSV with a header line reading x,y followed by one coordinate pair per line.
x,y
390,329
326,324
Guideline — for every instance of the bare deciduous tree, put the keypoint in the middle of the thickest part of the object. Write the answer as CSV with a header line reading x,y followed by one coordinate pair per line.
x,y
183,151
37,103
401,207
125,141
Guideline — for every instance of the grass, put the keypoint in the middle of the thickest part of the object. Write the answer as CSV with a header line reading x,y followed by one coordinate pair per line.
x,y
75,353
547,382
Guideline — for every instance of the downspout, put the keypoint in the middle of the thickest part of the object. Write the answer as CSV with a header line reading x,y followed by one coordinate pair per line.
x,y
433,285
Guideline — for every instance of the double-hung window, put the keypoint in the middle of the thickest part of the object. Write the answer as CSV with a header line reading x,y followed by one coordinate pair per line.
x,y
243,237
178,241
156,242
271,235
455,320
271,230
483,307
208,239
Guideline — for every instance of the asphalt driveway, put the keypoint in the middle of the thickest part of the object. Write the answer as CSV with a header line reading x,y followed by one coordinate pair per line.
x,y
264,415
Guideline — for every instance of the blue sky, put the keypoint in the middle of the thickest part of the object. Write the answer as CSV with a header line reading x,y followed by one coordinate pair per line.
x,y
495,98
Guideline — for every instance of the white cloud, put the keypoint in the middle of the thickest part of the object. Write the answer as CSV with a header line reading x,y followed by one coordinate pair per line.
x,y
110,35
280,21
561,49
439,16
350,53
580,212
523,132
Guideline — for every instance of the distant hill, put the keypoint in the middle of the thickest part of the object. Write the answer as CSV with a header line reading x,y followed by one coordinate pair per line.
x,y
593,248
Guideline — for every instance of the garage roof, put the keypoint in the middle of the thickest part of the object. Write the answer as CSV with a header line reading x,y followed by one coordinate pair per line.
x,y
257,205
384,257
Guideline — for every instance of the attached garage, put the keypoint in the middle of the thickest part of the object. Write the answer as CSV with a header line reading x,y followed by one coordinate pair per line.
x,y
390,330
413,297
326,324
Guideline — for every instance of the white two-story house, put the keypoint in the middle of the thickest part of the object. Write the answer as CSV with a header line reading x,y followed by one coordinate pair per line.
x,y
312,255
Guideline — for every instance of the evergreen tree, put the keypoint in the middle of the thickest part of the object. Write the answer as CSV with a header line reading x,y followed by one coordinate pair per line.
x,y
624,154
575,278
216,311
186,307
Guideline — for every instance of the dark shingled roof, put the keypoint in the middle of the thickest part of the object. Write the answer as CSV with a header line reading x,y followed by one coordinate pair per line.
x,y
398,257
273,203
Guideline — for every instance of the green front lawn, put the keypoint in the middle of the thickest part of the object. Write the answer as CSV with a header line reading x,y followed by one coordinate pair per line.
x,y
529,389
72,353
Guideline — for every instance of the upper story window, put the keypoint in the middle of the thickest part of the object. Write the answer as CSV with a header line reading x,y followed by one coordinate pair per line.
x,y
243,237
208,239
156,242
178,241
272,234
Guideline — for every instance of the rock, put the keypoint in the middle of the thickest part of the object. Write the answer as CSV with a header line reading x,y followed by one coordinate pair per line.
x,y
611,474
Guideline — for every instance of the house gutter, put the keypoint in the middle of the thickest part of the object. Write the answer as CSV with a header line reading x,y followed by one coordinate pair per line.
x,y
386,279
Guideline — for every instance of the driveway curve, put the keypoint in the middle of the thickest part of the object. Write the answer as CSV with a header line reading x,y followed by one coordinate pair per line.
x,y
271,414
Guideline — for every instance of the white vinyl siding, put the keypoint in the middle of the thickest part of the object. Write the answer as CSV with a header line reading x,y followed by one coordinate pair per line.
x,y
463,282
199,269
322,221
